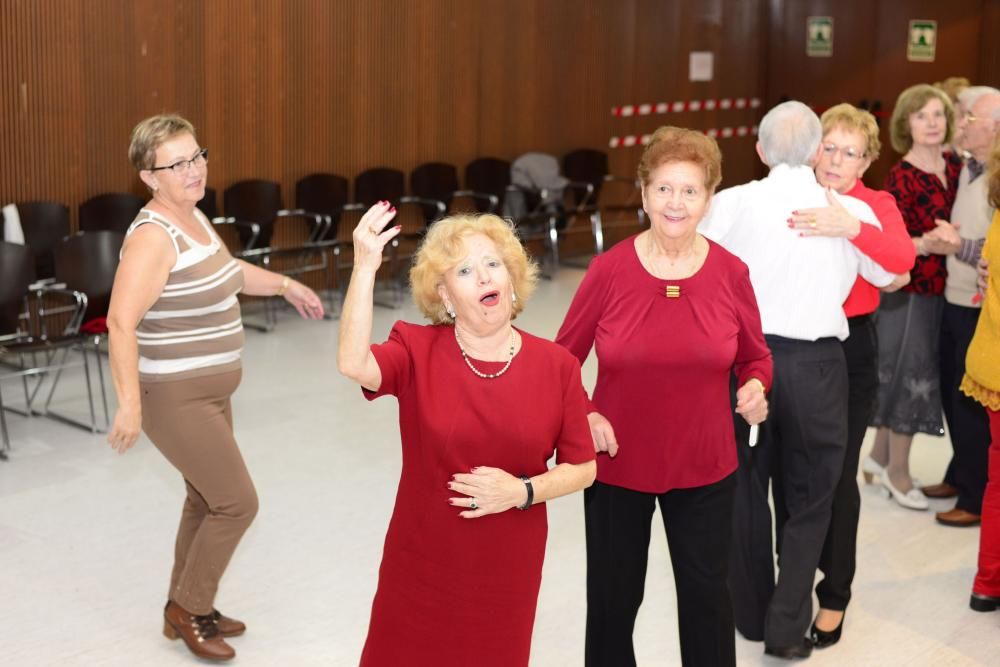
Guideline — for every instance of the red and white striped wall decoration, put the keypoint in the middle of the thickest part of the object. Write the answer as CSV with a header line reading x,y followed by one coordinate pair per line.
x,y
630,140
686,105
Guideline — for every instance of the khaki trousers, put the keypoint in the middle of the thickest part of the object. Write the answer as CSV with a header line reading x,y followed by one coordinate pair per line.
x,y
191,422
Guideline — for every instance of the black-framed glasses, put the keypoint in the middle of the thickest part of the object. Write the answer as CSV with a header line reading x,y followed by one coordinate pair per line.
x,y
848,153
200,159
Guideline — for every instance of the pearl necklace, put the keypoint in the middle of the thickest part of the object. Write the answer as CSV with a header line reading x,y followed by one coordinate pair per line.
x,y
468,362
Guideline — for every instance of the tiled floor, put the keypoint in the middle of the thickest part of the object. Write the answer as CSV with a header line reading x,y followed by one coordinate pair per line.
x,y
86,537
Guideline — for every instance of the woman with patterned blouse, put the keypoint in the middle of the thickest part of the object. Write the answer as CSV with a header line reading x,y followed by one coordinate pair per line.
x,y
924,183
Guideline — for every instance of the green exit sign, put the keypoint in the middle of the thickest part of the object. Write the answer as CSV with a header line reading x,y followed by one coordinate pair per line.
x,y
819,36
921,41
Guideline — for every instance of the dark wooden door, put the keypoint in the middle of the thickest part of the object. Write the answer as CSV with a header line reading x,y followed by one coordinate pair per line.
x,y
869,65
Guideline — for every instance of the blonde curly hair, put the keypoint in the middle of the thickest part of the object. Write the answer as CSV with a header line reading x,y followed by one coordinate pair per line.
x,y
444,247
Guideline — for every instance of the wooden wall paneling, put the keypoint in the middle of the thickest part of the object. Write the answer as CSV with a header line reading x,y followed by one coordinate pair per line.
x,y
314,126
957,54
507,104
869,61
816,81
277,89
664,36
989,59
447,82
620,26
111,49
735,31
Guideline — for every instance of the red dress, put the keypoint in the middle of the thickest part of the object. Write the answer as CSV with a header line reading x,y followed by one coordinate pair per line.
x,y
456,591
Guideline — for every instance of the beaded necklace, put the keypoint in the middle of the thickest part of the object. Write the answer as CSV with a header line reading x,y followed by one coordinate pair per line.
x,y
468,362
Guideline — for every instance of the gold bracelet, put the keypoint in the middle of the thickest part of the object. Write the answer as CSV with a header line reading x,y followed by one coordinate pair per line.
x,y
763,389
285,282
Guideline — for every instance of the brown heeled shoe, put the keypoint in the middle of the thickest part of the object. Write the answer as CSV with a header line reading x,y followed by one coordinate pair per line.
x,y
200,633
228,627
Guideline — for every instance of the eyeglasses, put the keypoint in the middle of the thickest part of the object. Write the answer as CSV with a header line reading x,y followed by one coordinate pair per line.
x,y
848,153
200,159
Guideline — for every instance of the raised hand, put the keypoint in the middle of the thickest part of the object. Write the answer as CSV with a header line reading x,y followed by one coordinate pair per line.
x,y
371,235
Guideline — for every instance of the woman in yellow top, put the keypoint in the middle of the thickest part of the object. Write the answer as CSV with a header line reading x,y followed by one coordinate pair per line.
x,y
982,382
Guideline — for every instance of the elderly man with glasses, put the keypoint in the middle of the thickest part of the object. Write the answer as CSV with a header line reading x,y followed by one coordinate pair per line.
x,y
961,240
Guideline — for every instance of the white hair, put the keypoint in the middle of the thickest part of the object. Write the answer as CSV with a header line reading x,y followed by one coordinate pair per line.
x,y
968,97
790,134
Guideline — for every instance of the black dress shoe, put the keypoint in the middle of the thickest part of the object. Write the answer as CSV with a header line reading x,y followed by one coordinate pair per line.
x,y
822,638
797,652
980,602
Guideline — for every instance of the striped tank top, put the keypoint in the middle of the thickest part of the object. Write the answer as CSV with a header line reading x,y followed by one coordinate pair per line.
x,y
194,328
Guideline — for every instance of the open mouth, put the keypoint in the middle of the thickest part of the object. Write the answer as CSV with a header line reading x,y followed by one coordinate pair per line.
x,y
490,298
675,218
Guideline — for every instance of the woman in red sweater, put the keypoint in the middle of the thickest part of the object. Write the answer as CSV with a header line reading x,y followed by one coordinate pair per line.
x,y
672,315
850,144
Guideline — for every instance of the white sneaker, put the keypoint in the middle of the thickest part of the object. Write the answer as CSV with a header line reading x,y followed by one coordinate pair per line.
x,y
914,499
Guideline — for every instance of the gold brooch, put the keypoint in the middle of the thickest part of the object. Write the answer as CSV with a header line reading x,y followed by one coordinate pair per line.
x,y
672,291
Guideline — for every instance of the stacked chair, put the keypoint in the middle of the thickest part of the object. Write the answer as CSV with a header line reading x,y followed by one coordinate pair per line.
x,y
271,236
32,346
613,204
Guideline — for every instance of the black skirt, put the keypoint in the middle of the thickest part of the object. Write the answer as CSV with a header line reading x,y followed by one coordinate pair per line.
x,y
909,394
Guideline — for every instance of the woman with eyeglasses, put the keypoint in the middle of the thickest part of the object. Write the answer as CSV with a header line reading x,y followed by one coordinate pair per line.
x,y
850,144
175,336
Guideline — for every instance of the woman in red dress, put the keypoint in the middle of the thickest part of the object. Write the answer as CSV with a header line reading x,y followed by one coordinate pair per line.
x,y
482,408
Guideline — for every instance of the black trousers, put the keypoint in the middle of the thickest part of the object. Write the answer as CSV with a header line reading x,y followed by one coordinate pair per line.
x,y
618,528
839,557
968,423
801,450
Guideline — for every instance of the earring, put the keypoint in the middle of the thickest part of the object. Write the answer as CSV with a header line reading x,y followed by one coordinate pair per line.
x,y
451,313
513,297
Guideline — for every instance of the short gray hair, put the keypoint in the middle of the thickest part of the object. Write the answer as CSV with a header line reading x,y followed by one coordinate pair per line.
x,y
790,134
971,95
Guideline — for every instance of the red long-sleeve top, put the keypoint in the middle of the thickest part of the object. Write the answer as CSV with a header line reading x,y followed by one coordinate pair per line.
x,y
890,247
664,364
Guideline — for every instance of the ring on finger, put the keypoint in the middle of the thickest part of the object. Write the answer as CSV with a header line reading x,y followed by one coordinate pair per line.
x,y
473,504
812,223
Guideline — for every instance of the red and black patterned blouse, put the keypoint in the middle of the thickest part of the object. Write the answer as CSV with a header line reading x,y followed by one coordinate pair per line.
x,y
922,198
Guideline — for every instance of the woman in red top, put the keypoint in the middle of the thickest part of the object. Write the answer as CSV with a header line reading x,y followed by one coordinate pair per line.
x,y
924,184
482,407
672,316
850,144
